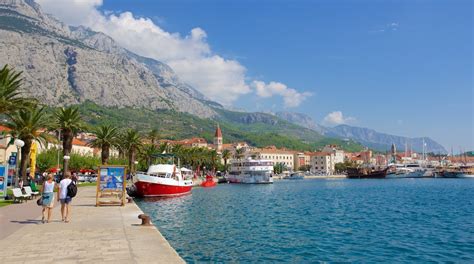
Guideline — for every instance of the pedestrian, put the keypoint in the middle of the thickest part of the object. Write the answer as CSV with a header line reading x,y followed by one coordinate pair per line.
x,y
47,194
64,198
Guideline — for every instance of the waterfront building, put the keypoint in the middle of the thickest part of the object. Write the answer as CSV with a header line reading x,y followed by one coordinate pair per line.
x,y
301,159
282,156
336,151
323,163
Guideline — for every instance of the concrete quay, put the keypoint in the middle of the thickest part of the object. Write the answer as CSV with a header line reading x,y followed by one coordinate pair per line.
x,y
107,234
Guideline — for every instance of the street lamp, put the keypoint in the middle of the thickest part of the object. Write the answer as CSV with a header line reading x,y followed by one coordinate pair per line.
x,y
19,144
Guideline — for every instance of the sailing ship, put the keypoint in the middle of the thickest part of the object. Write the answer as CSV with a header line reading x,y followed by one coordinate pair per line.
x,y
366,173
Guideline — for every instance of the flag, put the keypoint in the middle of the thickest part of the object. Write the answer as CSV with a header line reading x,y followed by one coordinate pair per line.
x,y
33,149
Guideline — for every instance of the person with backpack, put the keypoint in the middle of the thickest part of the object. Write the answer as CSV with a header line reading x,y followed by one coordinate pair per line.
x,y
67,190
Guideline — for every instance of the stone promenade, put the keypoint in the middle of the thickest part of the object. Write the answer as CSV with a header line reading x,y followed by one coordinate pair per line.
x,y
108,234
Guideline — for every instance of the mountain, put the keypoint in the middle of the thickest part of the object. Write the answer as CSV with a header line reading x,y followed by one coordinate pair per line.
x,y
365,136
302,120
382,141
65,65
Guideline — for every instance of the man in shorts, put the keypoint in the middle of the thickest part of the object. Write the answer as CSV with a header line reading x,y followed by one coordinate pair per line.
x,y
64,198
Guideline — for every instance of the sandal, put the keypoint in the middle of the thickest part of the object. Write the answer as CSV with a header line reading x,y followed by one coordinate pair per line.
x,y
42,220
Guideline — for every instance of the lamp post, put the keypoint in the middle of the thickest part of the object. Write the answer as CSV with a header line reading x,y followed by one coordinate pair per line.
x,y
19,144
66,157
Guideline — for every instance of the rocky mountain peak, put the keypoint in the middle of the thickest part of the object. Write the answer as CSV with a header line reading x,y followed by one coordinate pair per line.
x,y
68,65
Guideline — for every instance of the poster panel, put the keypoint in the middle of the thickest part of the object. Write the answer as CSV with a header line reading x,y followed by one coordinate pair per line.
x,y
3,180
111,185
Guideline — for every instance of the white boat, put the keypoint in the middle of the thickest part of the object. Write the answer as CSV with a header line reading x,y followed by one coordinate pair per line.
x,y
251,171
413,170
163,180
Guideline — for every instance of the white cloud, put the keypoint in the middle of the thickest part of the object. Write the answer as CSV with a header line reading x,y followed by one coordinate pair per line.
x,y
291,97
337,118
190,56
72,12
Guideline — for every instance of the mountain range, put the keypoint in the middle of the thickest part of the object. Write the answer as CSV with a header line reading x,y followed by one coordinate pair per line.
x,y
366,136
66,65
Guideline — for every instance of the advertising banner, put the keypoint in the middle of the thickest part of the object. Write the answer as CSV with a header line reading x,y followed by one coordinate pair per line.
x,y
111,185
3,180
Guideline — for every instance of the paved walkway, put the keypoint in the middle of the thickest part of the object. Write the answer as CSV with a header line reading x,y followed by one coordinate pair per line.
x,y
109,234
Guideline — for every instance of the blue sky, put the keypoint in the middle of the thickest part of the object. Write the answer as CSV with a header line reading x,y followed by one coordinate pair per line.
x,y
401,67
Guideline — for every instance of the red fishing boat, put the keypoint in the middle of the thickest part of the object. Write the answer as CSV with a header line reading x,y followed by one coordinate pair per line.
x,y
209,182
162,180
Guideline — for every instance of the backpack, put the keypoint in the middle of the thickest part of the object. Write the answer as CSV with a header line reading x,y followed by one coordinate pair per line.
x,y
71,189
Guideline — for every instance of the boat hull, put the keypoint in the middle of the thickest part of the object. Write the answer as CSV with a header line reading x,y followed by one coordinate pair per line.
x,y
245,179
147,189
361,174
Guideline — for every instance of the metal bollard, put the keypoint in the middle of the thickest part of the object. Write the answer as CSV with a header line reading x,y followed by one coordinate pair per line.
x,y
145,219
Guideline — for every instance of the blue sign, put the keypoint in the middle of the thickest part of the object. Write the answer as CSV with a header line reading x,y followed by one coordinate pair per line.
x,y
3,180
12,160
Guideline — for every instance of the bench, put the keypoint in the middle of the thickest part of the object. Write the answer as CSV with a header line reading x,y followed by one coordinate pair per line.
x,y
19,196
30,192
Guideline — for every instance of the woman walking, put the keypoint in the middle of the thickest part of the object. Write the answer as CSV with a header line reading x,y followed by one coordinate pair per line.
x,y
47,191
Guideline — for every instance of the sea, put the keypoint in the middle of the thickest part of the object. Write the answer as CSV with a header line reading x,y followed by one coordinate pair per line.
x,y
320,221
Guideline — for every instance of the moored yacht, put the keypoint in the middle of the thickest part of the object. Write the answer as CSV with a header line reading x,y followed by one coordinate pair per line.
x,y
413,170
163,180
251,171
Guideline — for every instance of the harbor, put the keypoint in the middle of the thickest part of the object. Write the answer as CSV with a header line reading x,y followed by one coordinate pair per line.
x,y
331,220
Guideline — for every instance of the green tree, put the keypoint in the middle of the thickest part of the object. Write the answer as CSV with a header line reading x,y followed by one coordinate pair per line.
x,y
341,167
153,136
239,153
226,155
106,137
28,125
132,143
69,122
10,94
279,168
147,152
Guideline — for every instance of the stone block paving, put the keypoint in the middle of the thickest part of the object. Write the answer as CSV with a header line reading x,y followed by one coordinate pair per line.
x,y
107,234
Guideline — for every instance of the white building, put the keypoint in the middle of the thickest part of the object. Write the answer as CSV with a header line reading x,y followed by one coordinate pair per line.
x,y
337,152
322,163
276,155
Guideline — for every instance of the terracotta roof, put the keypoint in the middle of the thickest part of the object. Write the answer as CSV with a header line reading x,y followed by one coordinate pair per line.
x,y
78,142
275,151
4,128
218,132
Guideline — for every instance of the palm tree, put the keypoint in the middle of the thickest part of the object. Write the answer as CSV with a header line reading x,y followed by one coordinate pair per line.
x,y
10,100
153,135
226,155
106,136
28,125
239,153
69,122
132,143
147,152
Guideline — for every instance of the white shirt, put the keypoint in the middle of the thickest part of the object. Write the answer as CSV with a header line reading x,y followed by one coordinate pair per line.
x,y
63,186
48,187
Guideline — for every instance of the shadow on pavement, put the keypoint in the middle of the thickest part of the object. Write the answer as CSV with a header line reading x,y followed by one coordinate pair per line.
x,y
26,222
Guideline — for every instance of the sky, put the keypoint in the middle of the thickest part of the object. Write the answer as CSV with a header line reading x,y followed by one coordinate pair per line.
x,y
399,67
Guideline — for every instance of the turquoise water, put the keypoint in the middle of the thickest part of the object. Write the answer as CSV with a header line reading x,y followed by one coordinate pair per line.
x,y
404,220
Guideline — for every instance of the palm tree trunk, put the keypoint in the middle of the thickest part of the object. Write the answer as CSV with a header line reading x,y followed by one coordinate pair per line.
x,y
67,147
25,157
131,160
104,155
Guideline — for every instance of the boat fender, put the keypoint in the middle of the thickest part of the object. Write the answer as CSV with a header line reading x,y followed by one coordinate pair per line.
x,y
145,219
